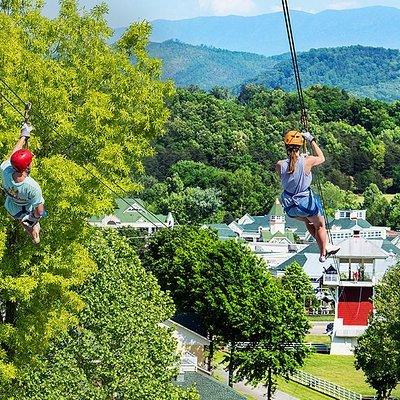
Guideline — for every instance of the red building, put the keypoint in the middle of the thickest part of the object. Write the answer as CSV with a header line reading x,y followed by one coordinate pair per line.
x,y
352,279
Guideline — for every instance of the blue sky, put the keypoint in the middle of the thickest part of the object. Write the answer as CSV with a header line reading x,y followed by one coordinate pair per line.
x,y
122,12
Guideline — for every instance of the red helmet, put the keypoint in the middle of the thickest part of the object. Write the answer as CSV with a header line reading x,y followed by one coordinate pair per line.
x,y
21,160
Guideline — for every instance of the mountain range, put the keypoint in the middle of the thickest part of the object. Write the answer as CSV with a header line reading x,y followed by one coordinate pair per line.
x,y
363,71
265,34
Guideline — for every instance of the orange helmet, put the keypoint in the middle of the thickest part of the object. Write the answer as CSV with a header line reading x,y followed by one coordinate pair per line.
x,y
294,138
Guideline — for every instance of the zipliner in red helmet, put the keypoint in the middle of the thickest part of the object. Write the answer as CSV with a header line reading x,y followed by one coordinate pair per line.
x,y
21,160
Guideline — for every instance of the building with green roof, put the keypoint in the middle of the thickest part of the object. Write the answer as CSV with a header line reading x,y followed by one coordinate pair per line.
x,y
223,230
132,213
347,222
308,258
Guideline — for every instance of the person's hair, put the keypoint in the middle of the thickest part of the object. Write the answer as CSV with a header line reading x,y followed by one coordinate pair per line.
x,y
293,154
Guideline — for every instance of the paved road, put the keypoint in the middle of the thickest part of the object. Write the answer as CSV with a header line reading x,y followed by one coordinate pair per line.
x,y
258,393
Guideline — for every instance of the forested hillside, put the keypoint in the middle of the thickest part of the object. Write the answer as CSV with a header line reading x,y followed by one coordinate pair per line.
x,y
265,34
363,71
207,67
217,160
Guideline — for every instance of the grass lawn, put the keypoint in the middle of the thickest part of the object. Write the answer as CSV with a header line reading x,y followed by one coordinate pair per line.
x,y
389,198
327,318
320,339
299,391
340,370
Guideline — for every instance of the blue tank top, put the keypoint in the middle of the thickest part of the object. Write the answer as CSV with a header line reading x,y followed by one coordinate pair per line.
x,y
296,184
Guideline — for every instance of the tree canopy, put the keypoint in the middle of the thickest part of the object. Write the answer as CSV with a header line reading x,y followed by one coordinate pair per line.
x,y
95,114
119,349
230,145
378,349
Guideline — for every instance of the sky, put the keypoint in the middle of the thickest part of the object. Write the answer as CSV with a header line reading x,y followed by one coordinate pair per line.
x,y
123,12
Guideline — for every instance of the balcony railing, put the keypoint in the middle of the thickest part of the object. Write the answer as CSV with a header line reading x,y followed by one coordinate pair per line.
x,y
349,331
331,279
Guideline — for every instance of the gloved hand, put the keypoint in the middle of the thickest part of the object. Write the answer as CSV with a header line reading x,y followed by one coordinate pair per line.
x,y
307,136
30,220
26,130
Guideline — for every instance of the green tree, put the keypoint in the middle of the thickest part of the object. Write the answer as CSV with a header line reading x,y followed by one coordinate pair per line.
x,y
387,301
119,349
230,287
94,98
394,213
236,297
378,350
377,354
297,282
376,205
175,256
276,341
337,199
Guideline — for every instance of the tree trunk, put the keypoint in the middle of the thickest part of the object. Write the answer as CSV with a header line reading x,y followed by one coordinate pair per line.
x,y
269,387
210,352
230,368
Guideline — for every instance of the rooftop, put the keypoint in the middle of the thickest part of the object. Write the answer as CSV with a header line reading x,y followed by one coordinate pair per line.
x,y
359,247
223,230
277,209
209,388
130,210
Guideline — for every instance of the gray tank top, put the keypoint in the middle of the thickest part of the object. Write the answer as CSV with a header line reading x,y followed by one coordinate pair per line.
x,y
298,182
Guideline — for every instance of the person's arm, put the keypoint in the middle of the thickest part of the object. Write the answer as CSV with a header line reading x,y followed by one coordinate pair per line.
x,y
318,157
23,140
278,167
38,212
20,145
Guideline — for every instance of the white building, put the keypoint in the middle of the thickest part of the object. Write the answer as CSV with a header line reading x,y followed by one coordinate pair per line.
x,y
352,281
346,222
271,236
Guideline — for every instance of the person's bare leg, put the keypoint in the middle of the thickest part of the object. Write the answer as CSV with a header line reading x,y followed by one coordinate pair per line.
x,y
318,223
34,232
309,226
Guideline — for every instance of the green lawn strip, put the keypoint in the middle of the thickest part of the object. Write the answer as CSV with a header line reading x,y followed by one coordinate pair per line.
x,y
299,391
318,339
341,371
219,357
327,318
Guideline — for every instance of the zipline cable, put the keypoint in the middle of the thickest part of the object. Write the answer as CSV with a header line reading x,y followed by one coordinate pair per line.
x,y
303,109
82,166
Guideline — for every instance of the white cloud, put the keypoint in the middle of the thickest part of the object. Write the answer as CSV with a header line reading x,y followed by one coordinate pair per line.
x,y
225,7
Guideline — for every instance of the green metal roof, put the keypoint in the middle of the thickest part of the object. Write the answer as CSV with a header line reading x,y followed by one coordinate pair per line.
x,y
209,388
388,246
347,223
262,221
267,236
301,259
223,230
131,216
277,209
297,225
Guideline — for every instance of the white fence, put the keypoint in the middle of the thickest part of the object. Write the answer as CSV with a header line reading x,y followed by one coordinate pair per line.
x,y
325,387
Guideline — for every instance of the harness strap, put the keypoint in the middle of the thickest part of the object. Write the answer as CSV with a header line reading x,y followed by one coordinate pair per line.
x,y
311,211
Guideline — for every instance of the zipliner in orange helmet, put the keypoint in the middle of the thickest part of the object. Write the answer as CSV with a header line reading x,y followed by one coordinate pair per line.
x,y
293,138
